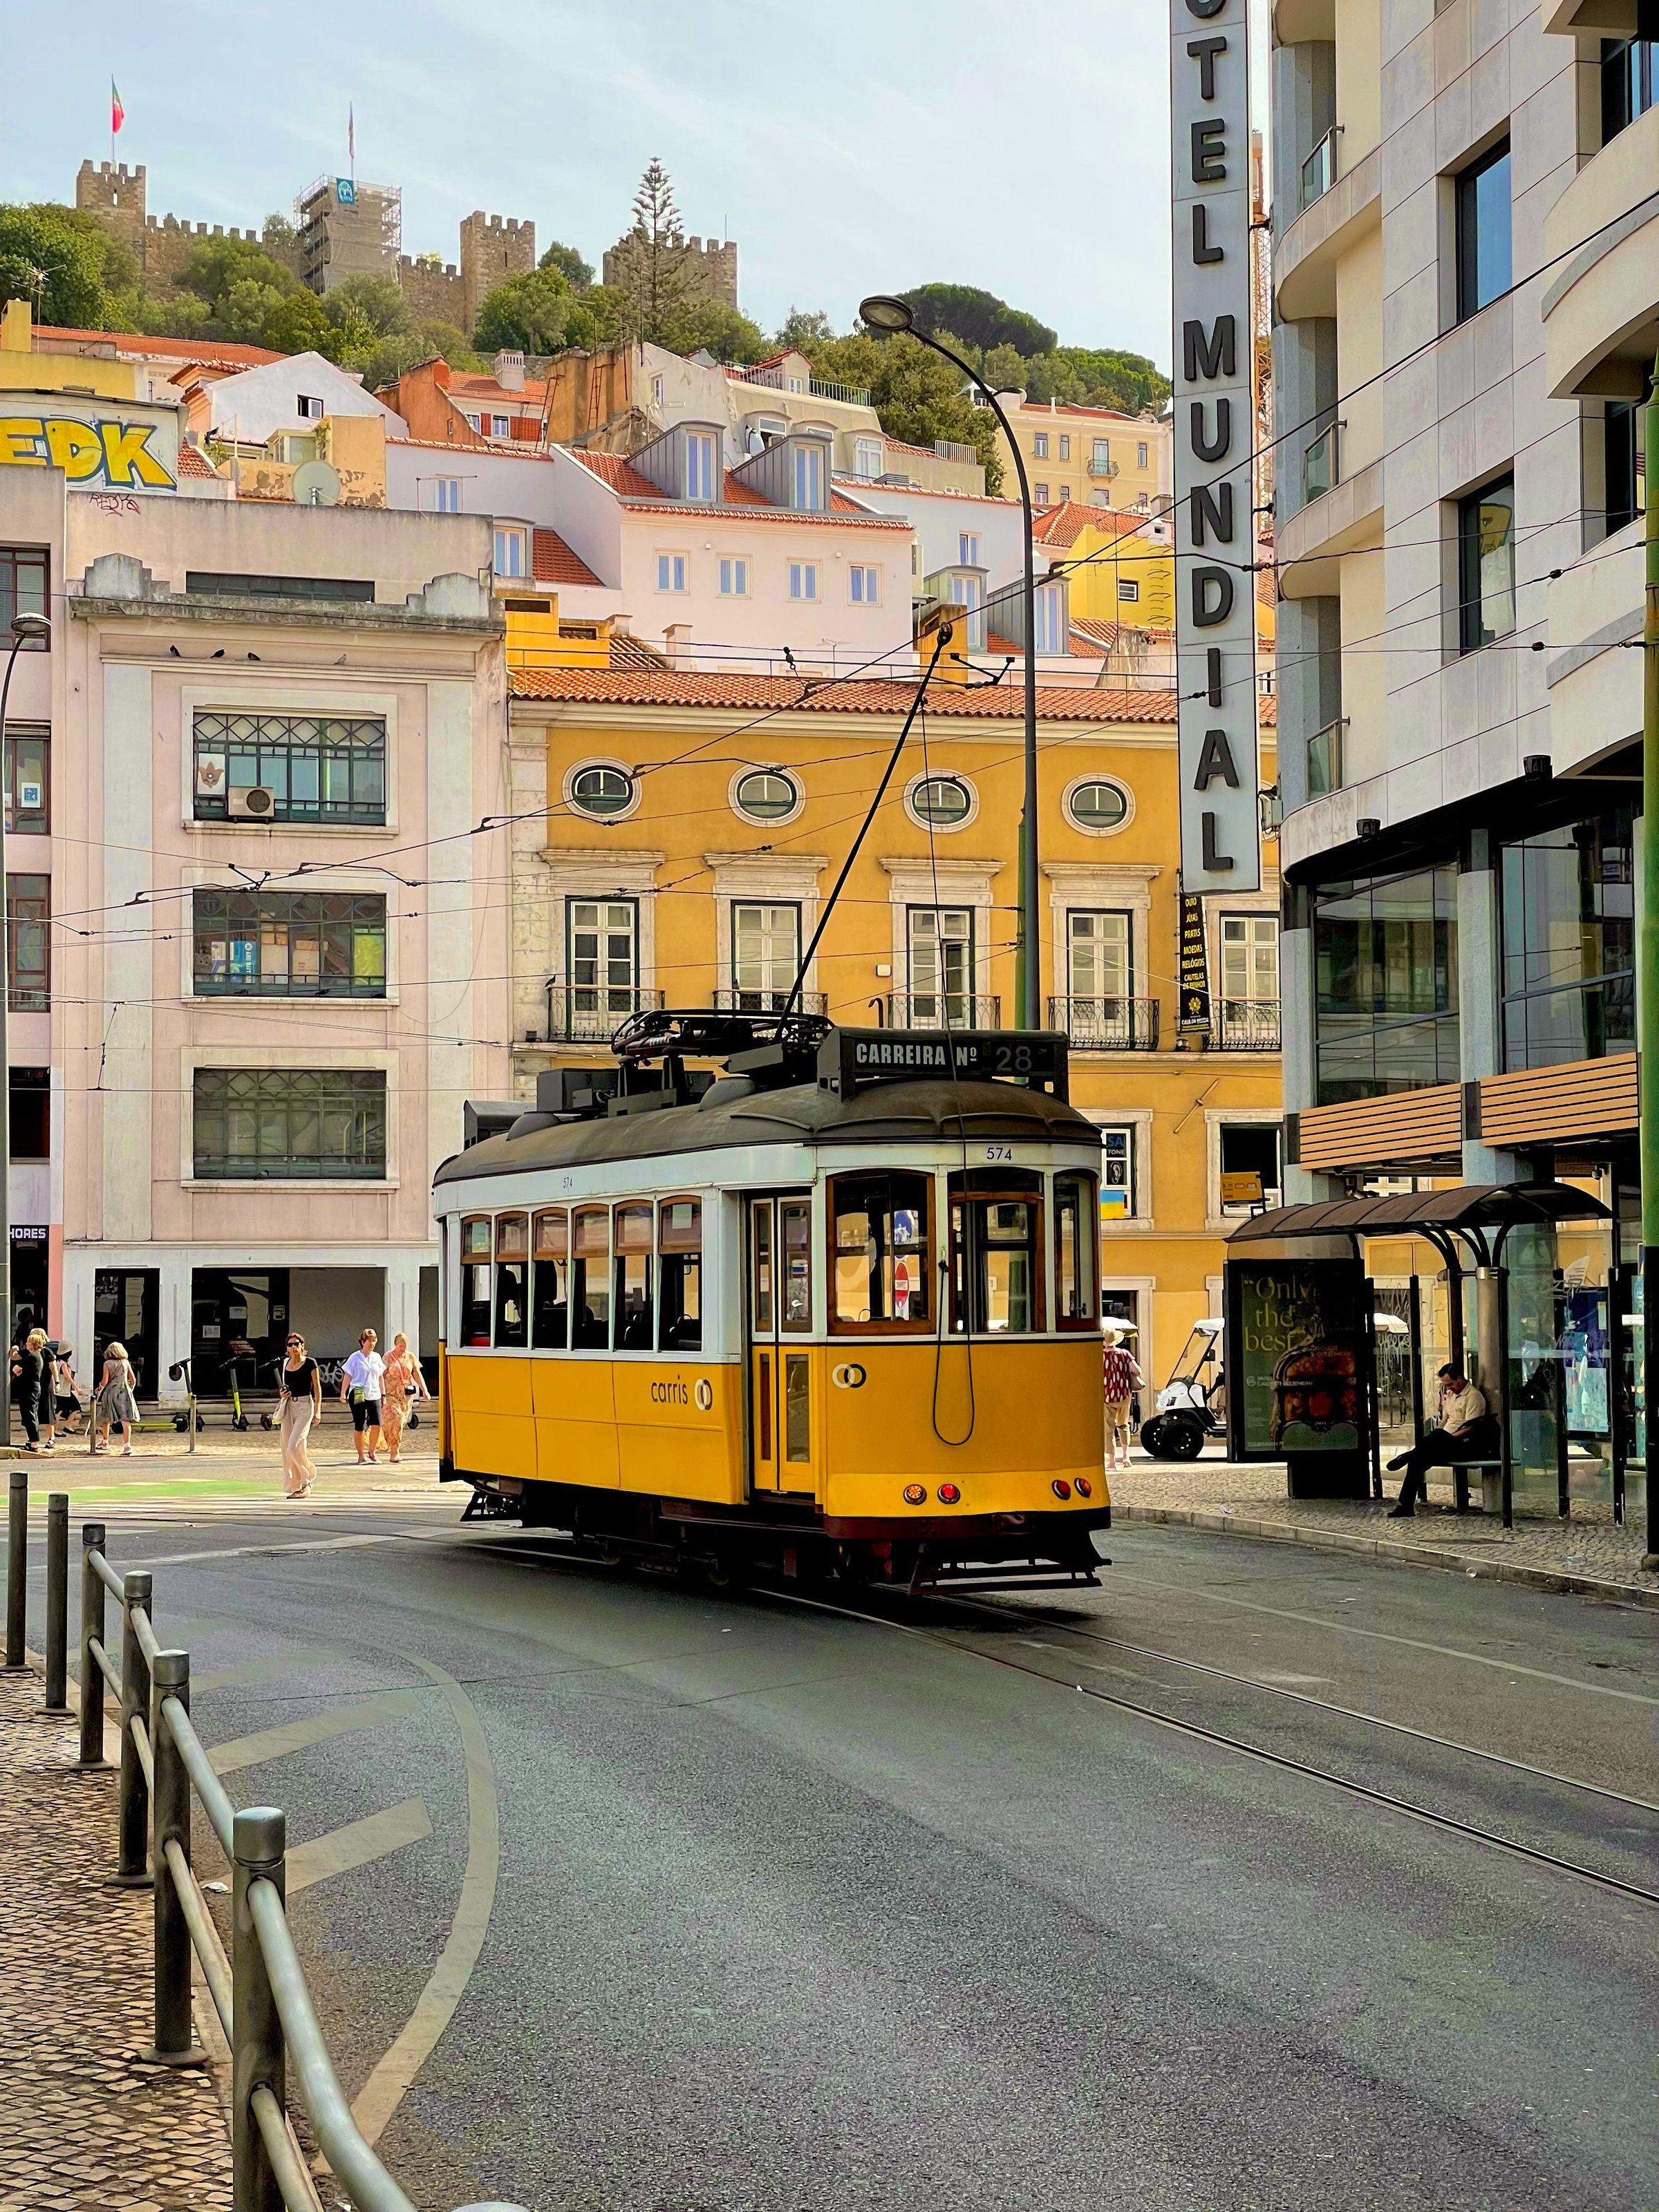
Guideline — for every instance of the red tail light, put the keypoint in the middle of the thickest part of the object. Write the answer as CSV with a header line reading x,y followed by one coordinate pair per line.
x,y
1084,1487
916,1493
949,1494
1061,1487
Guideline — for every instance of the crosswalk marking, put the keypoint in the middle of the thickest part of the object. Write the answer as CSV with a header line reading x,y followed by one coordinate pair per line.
x,y
357,1843
295,1736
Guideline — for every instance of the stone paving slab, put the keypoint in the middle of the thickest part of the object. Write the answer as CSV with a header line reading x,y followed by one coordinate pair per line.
x,y
1592,1556
85,2124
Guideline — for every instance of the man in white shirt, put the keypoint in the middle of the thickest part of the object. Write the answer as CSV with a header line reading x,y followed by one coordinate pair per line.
x,y
361,1384
1464,1431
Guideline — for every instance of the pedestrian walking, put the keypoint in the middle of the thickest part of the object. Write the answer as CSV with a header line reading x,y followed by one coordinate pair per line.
x,y
402,1381
1464,1431
1121,1378
31,1386
302,1404
65,1390
362,1384
116,1402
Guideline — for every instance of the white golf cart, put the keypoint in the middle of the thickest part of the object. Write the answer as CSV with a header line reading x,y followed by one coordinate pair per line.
x,y
1191,1406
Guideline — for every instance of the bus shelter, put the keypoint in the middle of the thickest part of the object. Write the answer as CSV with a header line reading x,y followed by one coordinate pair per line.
x,y
1305,1335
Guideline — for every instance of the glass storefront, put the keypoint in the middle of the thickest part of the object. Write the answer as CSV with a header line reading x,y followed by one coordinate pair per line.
x,y
1569,948
1385,958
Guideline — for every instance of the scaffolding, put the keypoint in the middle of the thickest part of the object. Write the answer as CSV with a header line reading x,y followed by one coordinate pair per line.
x,y
347,229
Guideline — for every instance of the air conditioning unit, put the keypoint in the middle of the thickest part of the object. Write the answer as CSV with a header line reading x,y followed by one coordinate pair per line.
x,y
252,803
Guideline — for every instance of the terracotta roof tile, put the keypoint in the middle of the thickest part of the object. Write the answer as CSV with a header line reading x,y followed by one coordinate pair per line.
x,y
1064,524
194,464
853,696
637,490
226,352
552,561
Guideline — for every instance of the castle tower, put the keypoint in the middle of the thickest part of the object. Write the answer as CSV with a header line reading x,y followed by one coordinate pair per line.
x,y
347,229
115,194
493,248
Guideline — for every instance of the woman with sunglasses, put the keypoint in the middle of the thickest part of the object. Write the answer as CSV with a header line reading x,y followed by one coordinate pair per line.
x,y
302,1404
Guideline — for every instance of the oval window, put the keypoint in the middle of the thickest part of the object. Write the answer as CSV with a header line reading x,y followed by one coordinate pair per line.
x,y
767,794
1097,805
602,790
943,800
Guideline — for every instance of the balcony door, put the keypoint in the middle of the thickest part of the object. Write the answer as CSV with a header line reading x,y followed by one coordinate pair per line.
x,y
765,954
941,976
1249,958
602,964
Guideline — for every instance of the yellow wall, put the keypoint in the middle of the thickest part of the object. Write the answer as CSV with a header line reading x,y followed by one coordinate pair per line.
x,y
22,369
1102,560
684,851
542,640
1067,474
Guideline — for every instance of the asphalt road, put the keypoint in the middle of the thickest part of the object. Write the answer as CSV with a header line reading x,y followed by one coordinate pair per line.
x,y
740,1906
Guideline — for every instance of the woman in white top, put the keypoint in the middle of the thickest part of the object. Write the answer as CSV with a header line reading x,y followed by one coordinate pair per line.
x,y
362,1383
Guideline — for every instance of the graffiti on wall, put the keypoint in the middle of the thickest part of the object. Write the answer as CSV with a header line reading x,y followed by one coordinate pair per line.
x,y
116,454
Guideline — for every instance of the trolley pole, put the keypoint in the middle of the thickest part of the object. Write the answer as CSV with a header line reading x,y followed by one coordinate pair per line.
x,y
1647,980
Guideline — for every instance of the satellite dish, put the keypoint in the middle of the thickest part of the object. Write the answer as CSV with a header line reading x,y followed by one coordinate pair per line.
x,y
316,484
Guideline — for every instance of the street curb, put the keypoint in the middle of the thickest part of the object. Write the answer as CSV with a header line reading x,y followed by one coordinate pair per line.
x,y
1387,1554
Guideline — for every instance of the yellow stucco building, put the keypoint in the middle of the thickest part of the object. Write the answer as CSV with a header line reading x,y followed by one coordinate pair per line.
x,y
676,835
1093,454
1120,567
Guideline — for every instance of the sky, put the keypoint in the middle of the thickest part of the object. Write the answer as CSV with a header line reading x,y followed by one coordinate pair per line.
x,y
1021,145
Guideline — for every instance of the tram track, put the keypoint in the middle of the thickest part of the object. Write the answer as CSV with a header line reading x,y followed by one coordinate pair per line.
x,y
1389,1800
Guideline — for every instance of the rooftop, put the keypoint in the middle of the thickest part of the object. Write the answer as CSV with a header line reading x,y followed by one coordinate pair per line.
x,y
552,561
206,353
636,490
847,696
1064,524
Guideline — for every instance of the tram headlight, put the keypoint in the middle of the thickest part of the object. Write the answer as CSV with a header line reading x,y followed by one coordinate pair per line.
x,y
1084,1487
949,1494
916,1493
1061,1487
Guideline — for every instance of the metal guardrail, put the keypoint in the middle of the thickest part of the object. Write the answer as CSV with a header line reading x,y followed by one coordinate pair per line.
x,y
258,1989
1106,1024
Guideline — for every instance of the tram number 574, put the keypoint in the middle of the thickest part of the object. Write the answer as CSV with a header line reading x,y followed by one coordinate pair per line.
x,y
1001,1156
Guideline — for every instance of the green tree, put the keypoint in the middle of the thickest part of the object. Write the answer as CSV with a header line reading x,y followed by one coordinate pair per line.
x,y
536,312
215,265
393,356
978,317
650,262
1003,369
712,325
245,310
918,396
802,328
576,272
296,324
1091,376
56,259
376,301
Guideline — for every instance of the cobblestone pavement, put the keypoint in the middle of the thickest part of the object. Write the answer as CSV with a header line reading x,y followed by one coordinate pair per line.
x,y
85,2124
1592,1550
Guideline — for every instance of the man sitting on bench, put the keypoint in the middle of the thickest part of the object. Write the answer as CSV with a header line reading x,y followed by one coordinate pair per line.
x,y
1465,1431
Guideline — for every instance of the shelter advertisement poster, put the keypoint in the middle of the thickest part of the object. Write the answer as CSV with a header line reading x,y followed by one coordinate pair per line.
x,y
1297,1346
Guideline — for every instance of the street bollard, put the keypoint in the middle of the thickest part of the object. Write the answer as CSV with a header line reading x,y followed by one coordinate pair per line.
x,y
132,1802
17,1565
169,1677
92,1631
258,1842
57,1602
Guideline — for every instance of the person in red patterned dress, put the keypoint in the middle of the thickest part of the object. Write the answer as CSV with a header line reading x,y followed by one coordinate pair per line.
x,y
1121,1378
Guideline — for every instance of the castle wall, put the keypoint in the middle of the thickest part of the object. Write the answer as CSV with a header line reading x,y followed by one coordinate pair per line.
x,y
492,249
434,296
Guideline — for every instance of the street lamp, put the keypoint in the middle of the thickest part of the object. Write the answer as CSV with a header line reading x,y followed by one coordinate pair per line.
x,y
892,317
26,629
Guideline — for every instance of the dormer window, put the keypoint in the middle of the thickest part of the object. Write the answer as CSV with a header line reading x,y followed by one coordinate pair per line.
x,y
699,464
806,481
867,457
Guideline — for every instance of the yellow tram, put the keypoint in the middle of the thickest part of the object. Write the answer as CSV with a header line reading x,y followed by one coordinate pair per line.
x,y
833,1307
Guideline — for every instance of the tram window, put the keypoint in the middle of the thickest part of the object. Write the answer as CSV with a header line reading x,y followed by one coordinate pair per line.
x,y
1076,1245
795,1236
590,1279
996,1253
550,1282
679,1275
881,1250
797,1408
512,1279
761,1282
477,1242
631,1243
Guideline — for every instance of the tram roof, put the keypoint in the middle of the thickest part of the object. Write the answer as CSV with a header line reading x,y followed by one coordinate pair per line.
x,y
923,1112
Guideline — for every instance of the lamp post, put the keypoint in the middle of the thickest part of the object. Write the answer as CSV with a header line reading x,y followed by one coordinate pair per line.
x,y
892,317
26,629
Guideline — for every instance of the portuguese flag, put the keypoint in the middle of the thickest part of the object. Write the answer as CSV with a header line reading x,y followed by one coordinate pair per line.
x,y
118,114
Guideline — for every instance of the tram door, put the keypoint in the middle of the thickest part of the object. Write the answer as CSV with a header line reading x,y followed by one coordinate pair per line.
x,y
780,1270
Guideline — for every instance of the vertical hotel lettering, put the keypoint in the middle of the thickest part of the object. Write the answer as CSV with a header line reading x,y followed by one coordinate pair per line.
x,y
1214,530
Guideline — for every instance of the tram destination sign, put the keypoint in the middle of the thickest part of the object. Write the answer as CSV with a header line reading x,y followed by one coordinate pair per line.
x,y
1214,426
851,1060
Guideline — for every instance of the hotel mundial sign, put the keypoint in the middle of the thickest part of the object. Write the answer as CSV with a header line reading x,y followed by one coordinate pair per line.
x,y
100,445
1214,532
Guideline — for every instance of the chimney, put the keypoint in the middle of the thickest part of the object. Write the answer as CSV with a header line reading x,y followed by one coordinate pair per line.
x,y
676,642
509,371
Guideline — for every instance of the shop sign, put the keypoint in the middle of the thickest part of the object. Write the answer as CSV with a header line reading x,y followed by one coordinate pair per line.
x,y
1193,1011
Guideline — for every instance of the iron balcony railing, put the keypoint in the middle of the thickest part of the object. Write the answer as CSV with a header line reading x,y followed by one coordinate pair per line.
x,y
590,1013
1321,469
953,449
258,1989
1107,1024
1325,759
1102,468
1244,1025
943,1010
768,1002
1319,170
